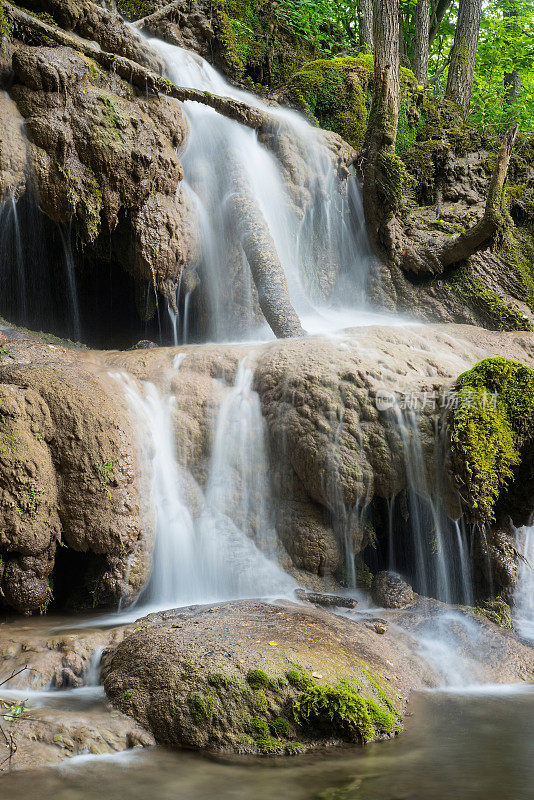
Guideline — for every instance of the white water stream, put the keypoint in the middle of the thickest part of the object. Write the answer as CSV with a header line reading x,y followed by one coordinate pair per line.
x,y
229,549
325,234
524,592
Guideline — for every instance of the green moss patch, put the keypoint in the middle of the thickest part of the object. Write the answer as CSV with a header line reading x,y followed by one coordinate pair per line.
x,y
493,420
334,92
342,711
485,301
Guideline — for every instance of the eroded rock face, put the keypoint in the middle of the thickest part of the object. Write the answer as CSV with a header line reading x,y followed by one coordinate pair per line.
x,y
12,148
333,447
67,481
389,590
108,156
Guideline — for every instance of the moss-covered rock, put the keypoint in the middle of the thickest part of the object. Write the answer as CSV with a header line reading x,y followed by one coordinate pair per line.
x,y
215,688
334,92
493,421
494,310
496,610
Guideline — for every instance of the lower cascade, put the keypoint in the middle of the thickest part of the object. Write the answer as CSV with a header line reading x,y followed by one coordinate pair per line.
x,y
266,400
207,553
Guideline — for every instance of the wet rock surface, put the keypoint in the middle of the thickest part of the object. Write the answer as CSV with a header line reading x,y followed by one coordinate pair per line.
x,y
69,450
226,677
68,485
389,590
223,677
52,706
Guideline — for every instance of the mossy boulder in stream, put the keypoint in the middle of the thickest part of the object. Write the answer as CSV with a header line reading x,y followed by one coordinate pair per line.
x,y
256,678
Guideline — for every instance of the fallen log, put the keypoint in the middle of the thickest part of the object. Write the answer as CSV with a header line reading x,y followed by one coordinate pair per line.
x,y
327,600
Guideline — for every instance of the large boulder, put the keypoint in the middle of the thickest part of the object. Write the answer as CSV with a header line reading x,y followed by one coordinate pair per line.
x,y
253,677
278,679
389,590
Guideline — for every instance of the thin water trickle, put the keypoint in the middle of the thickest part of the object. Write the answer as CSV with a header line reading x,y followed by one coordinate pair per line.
x,y
438,564
524,592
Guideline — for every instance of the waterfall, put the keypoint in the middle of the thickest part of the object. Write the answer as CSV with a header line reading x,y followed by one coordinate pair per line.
x,y
524,591
37,280
316,223
227,551
433,549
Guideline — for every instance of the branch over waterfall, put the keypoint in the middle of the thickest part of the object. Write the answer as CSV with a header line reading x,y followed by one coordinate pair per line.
x,y
142,78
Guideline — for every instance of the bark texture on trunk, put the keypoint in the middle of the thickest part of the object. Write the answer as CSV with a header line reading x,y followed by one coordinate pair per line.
x,y
365,24
380,168
422,39
434,258
463,54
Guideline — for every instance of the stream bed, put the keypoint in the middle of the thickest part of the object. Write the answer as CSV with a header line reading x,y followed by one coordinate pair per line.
x,y
476,745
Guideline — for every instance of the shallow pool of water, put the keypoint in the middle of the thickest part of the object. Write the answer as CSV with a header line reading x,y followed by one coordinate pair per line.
x,y
456,747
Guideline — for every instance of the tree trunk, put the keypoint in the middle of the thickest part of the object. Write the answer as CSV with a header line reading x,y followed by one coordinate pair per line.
x,y
381,169
260,252
463,54
365,25
439,9
512,81
422,41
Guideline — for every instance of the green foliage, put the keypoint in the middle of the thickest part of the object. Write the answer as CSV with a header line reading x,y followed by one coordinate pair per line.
x,y
502,49
15,711
342,711
265,42
494,418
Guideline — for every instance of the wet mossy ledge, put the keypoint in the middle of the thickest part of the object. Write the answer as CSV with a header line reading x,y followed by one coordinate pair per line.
x,y
219,687
491,428
336,94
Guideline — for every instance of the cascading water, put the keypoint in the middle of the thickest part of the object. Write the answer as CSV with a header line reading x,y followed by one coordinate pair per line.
x,y
226,551
437,556
524,593
325,226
